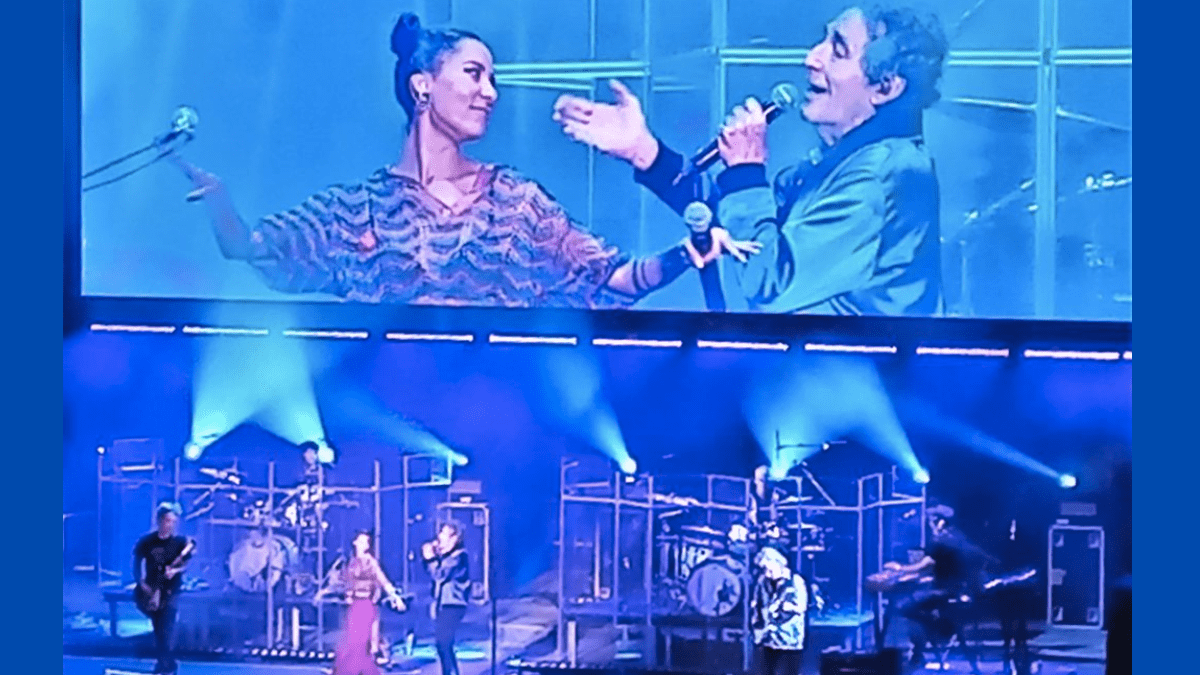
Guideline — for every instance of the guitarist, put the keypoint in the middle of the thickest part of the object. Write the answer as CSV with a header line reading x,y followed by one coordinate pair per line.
x,y
164,554
446,559
778,611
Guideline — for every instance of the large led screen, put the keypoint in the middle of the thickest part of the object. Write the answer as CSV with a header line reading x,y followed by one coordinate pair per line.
x,y
962,158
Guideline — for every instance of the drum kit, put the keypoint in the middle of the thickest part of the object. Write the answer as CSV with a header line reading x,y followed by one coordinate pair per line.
x,y
705,570
700,569
261,560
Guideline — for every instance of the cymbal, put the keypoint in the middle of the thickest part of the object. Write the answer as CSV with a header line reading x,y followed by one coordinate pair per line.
x,y
1013,115
702,529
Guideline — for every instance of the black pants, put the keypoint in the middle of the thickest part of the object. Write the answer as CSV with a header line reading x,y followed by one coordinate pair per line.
x,y
1012,609
778,661
163,622
445,625
928,610
1120,633
936,618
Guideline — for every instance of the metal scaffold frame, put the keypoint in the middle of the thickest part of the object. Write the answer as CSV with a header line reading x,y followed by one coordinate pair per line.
x,y
641,495
876,495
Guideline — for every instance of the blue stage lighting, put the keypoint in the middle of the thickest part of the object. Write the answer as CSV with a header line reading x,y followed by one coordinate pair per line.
x,y
778,470
192,451
628,465
325,453
921,476
459,459
1067,481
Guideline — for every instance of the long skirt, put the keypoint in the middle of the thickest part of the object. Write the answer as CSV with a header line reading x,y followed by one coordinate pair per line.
x,y
353,656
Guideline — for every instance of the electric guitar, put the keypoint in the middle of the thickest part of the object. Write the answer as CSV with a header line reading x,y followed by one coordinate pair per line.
x,y
149,598
891,579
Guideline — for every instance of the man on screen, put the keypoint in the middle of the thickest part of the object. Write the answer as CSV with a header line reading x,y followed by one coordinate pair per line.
x,y
851,230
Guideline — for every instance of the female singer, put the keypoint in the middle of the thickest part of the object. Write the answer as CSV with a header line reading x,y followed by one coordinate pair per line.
x,y
363,581
446,559
438,227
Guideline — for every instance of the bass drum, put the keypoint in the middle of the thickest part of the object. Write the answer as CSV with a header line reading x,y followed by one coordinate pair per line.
x,y
714,588
259,560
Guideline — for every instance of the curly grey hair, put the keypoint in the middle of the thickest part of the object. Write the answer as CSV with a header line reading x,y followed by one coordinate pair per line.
x,y
908,44
770,555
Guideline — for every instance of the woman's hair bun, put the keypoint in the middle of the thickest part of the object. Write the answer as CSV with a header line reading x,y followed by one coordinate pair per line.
x,y
406,35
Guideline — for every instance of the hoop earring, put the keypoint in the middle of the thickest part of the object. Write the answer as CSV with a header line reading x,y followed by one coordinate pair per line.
x,y
422,106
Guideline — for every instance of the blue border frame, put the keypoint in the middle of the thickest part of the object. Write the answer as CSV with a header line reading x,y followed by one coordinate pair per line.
x,y
1166,238
33,50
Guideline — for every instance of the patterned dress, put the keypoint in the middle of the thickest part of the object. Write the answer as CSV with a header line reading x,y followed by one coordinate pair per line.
x,y
387,240
353,656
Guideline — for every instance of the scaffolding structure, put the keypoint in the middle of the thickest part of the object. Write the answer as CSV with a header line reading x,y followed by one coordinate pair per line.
x,y
609,525
613,564
881,513
224,506
876,515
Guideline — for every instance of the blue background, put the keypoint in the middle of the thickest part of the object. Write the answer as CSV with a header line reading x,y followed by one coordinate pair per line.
x,y
32,50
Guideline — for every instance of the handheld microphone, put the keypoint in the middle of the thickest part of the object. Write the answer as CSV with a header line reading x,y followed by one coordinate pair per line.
x,y
698,217
183,123
784,97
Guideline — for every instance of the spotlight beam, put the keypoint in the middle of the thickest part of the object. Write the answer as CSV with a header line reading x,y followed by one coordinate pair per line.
x,y
574,398
818,396
973,439
266,380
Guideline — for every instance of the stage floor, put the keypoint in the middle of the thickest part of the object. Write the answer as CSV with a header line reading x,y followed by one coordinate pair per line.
x,y
101,666
526,630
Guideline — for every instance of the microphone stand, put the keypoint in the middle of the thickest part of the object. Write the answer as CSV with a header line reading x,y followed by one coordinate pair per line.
x,y
187,137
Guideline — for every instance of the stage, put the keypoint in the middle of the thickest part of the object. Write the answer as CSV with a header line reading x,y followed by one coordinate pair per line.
x,y
99,666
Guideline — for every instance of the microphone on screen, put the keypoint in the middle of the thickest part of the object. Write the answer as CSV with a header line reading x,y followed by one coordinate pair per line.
x,y
183,125
184,121
698,217
784,97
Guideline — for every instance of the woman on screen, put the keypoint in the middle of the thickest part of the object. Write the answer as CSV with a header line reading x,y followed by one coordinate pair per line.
x,y
438,227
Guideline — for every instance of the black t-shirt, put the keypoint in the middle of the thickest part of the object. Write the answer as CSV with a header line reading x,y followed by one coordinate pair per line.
x,y
158,553
949,568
